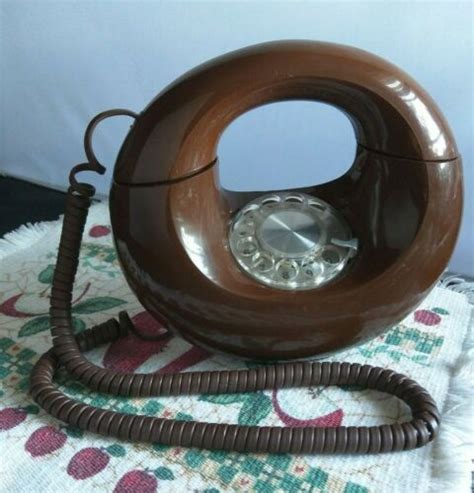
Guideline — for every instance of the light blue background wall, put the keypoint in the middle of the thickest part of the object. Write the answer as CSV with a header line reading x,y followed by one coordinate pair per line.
x,y
63,62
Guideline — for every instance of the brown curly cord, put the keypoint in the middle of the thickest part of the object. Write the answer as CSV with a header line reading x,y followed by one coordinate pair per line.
x,y
68,347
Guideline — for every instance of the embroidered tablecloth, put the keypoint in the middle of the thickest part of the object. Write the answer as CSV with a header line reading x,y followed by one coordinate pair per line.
x,y
39,453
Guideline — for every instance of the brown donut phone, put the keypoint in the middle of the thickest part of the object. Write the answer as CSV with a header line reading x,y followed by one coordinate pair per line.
x,y
400,203
273,275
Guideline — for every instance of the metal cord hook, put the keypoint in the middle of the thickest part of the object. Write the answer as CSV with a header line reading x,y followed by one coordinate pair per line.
x,y
93,164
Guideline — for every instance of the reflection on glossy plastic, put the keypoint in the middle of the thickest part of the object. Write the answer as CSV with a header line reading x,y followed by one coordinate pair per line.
x,y
314,270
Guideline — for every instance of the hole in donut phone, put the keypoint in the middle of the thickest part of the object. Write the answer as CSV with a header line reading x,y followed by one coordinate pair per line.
x,y
286,145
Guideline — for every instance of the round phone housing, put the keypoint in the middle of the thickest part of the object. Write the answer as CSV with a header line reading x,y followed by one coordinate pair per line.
x,y
320,268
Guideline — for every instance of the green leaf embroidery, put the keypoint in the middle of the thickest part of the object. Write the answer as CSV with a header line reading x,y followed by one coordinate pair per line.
x,y
183,417
97,305
34,326
116,450
163,473
46,275
40,324
78,324
73,432
224,399
440,311
160,447
31,409
255,408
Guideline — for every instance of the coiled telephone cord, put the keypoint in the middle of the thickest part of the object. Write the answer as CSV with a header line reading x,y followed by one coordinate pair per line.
x,y
68,351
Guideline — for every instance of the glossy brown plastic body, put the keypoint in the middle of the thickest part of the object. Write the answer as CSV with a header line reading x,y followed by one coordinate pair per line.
x,y
402,198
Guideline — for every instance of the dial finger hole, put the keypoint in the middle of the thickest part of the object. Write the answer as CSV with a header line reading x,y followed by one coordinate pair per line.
x,y
250,213
294,199
287,269
246,247
244,229
311,268
331,256
263,262
317,205
271,201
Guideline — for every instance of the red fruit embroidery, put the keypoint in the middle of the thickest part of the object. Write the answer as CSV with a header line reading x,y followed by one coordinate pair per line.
x,y
98,231
328,420
8,308
148,325
136,482
11,417
128,353
191,357
427,317
45,440
87,462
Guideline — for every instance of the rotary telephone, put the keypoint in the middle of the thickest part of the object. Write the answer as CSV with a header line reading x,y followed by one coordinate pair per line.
x,y
281,275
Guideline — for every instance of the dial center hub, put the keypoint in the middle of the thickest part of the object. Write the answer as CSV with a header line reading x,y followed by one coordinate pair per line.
x,y
289,232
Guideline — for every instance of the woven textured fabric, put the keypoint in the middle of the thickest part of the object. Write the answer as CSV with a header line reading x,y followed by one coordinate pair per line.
x,y
42,454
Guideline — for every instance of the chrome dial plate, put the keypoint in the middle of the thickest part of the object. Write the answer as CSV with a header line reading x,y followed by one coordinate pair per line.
x,y
291,241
